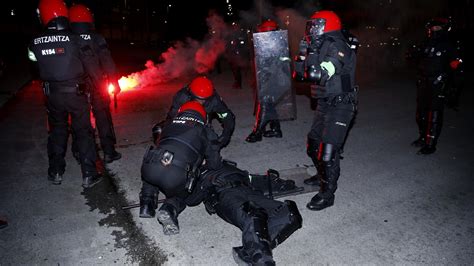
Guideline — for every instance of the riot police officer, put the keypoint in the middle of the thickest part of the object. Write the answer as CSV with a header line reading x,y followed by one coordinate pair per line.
x,y
265,223
172,166
64,62
265,111
437,59
82,23
200,89
330,63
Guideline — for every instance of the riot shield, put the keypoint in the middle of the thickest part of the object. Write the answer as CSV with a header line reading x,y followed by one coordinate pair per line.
x,y
273,74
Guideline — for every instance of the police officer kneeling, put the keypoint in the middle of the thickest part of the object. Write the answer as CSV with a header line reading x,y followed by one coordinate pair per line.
x,y
265,223
171,166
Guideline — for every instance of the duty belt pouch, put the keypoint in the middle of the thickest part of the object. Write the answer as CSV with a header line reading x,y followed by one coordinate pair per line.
x,y
191,174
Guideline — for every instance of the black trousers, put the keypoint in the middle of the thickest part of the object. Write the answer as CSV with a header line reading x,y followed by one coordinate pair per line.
x,y
331,124
100,102
430,102
59,107
230,209
170,180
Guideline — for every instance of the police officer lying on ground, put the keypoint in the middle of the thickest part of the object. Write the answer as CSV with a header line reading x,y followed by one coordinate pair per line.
x,y
82,23
201,90
172,165
265,223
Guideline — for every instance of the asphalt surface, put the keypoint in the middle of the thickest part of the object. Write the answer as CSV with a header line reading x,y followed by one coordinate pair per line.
x,y
392,206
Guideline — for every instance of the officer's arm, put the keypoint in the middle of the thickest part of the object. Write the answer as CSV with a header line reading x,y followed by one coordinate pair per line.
x,y
212,155
332,63
227,120
91,63
105,57
106,61
178,99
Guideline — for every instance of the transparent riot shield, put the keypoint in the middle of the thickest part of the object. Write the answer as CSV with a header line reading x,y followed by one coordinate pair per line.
x,y
273,74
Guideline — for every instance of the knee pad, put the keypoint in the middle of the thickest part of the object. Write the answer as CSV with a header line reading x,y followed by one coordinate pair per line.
x,y
290,219
328,152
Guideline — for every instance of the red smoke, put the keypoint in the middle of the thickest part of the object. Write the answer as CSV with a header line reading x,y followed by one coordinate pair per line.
x,y
183,58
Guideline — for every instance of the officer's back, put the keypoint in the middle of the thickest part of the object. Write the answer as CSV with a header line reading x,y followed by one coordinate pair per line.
x,y
183,145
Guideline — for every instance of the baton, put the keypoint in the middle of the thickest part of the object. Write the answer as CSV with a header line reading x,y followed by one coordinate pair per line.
x,y
136,205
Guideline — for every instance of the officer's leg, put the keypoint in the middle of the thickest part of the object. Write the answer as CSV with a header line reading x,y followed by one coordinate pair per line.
x,y
57,139
314,142
148,200
235,208
256,247
328,182
284,218
105,127
337,123
256,134
169,211
423,100
434,125
81,125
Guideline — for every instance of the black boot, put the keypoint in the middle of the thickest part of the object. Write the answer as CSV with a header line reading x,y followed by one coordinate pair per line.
x,y
148,205
419,142
257,131
255,136
113,156
91,180
274,131
427,149
55,178
319,202
168,218
328,182
256,249
243,258
288,220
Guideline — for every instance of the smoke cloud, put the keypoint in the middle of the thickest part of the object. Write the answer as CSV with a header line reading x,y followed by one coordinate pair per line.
x,y
185,58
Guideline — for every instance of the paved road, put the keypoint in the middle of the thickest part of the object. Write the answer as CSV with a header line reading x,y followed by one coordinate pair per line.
x,y
392,206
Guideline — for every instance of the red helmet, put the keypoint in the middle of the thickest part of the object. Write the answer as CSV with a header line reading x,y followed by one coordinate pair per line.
x,y
202,87
267,25
323,21
50,9
80,13
193,106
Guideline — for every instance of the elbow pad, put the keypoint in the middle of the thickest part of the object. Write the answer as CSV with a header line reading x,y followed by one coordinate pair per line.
x,y
316,74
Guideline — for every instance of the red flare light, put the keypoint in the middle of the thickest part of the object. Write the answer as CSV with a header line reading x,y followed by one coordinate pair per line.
x,y
128,83
111,88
